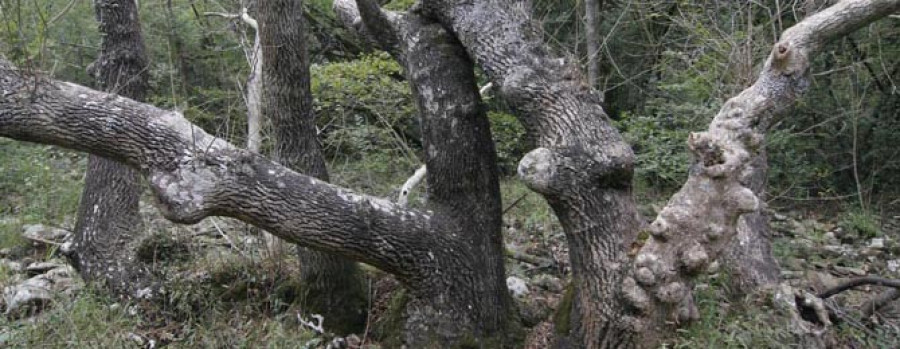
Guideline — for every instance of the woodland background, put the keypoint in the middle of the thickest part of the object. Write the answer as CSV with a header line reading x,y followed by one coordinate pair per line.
x,y
666,67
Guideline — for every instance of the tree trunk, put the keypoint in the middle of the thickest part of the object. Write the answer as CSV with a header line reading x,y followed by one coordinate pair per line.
x,y
592,10
332,286
583,168
749,259
254,89
462,174
109,225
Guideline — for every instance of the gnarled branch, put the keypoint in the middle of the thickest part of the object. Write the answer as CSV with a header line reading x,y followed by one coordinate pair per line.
x,y
194,175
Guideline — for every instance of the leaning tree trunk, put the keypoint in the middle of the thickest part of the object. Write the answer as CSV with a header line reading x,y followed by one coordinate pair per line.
x,y
109,224
461,169
583,168
331,285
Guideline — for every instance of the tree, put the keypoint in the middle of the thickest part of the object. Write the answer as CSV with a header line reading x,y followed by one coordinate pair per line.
x,y
449,256
331,285
109,224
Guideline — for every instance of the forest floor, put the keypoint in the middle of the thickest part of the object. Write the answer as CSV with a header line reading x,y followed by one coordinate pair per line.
x,y
228,290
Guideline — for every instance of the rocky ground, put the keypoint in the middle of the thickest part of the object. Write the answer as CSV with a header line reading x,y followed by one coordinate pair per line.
x,y
816,253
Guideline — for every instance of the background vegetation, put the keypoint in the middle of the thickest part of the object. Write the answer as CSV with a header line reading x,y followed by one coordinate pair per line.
x,y
667,68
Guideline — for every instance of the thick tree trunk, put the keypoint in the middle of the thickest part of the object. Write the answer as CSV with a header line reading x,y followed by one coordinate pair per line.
x,y
748,259
109,225
583,168
461,170
332,286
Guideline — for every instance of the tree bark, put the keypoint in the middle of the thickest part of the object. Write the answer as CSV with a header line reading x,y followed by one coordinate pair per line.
x,y
332,286
583,168
254,88
592,10
748,259
461,166
109,226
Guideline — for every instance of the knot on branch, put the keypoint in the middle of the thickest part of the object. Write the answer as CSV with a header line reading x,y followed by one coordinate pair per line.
x,y
183,195
538,170
788,59
720,155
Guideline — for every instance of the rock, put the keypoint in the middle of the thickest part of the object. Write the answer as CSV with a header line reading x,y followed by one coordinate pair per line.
x,y
877,243
42,267
893,265
31,296
9,265
4,252
548,282
517,286
713,267
42,233
533,310
779,217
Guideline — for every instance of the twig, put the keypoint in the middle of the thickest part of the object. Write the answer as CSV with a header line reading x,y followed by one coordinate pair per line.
x,y
866,280
48,242
227,239
510,207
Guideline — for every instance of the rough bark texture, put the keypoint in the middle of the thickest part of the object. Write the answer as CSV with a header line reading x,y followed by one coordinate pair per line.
x,y
332,286
720,187
109,227
749,259
583,168
461,171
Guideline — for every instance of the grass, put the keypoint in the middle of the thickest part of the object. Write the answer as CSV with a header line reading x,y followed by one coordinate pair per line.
x,y
38,184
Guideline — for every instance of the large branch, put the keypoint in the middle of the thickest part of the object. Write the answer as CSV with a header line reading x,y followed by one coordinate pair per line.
x,y
699,221
578,146
194,175
372,23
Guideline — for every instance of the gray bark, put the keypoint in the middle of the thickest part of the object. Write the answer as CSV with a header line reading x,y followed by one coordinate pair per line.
x,y
592,10
109,224
749,259
462,175
583,168
331,285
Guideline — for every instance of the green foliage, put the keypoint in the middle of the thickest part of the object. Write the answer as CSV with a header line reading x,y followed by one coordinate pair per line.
x,y
364,106
509,141
659,140
399,5
859,223
87,321
40,184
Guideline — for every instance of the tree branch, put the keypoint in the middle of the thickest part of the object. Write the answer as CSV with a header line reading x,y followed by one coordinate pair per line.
x,y
853,283
369,21
699,221
194,175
